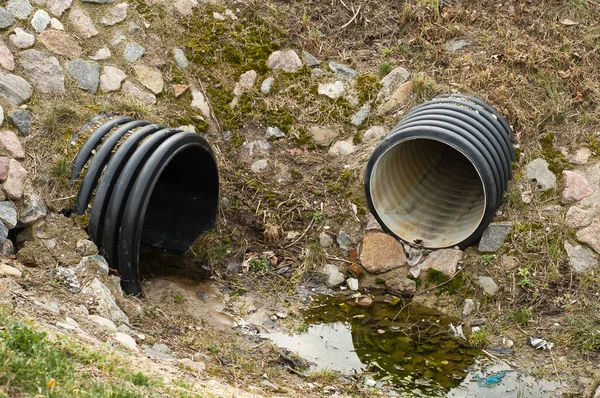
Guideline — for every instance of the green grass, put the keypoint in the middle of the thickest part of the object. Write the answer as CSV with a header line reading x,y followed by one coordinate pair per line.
x,y
480,338
522,316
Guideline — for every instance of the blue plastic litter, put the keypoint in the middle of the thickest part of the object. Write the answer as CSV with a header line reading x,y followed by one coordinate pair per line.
x,y
490,380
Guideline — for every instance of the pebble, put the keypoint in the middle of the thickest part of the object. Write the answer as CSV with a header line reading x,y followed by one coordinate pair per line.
x,y
397,99
322,136
494,236
260,165
7,270
538,170
21,119
126,341
56,24
577,217
86,247
344,241
133,51
359,117
32,210
87,73
343,148
7,59
309,60
352,284
334,276
200,102
11,144
93,264
274,133
488,284
8,214
179,89
343,71
457,44
15,182
133,91
391,82
287,61
325,240
444,260
82,23
374,134
61,43
106,324
331,90
180,58
67,277
51,306
115,15
40,21
22,39
58,7
266,85
468,308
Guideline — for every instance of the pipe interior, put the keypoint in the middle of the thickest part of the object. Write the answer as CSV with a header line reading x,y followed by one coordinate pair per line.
x,y
425,190
184,201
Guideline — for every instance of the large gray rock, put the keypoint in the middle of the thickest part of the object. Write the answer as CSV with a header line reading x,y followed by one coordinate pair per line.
x,y
538,170
591,235
391,82
14,89
381,253
7,59
87,73
132,91
309,60
22,39
40,21
322,136
494,236
334,276
6,19
43,71
92,265
342,70
115,15
111,79
287,61
67,277
32,210
398,283
21,119
82,23
8,214
444,261
489,286
60,43
150,77
133,51
103,302
581,259
20,9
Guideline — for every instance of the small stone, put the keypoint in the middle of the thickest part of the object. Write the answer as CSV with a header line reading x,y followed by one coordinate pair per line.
x,y
43,71
111,79
61,43
57,7
468,308
444,261
115,15
591,235
7,270
185,7
188,127
56,24
102,54
10,144
87,73
509,262
6,19
580,157
104,323
344,71
150,77
322,136
489,286
274,133
494,236
179,89
372,223
266,85
198,367
309,60
3,233
218,16
118,39
7,60
86,247
200,102
342,148
161,348
257,147
21,119
93,264
397,99
259,165
287,61
374,134
4,166
180,58
40,21
397,283
577,187
82,23
133,51
317,72
22,39
67,277
391,82
381,253
538,170
581,259
103,302
230,14
20,9
32,210
247,79
344,241
577,217
352,284
126,340
14,89
153,353
65,326
359,117
334,276
331,90
15,182
457,44
8,214
134,28
135,92
51,306
325,240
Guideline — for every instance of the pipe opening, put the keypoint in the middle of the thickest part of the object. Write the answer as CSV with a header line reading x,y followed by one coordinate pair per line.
x,y
182,205
425,190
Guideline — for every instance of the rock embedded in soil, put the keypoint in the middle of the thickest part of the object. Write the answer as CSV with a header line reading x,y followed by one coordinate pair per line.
x,y
43,71
93,264
398,284
391,82
4,166
259,166
56,24
494,236
343,71
457,44
150,77
374,134
126,341
266,85
274,133
67,277
87,74
591,235
7,248
361,115
21,119
325,240
20,9
15,182
10,144
287,61
131,90
185,7
538,170
86,247
102,54
352,284
14,89
8,214
469,308
198,367
180,58
381,253
581,259
7,60
199,102
32,210
40,21
115,15
331,90
111,79
444,261
309,60
6,19
58,7
103,302
344,241
334,276
7,270
61,43
257,147
3,233
488,285
577,187
397,99
322,136
577,217
104,323
22,39
179,89
343,148
580,157
82,23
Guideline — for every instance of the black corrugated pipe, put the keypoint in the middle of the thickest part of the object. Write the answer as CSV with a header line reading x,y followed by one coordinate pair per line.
x,y
146,184
439,176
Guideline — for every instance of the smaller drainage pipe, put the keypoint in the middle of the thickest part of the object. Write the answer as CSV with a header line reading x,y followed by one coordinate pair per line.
x,y
148,185
439,176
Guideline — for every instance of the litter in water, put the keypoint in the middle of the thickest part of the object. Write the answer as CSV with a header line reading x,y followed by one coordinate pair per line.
x,y
490,380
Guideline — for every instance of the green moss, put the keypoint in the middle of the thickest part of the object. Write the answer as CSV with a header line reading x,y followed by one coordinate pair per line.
x,y
281,118
296,174
435,277
367,86
301,137
418,281
556,160
593,143
357,139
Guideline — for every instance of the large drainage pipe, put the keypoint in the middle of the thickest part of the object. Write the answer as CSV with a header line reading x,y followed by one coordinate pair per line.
x,y
143,184
439,176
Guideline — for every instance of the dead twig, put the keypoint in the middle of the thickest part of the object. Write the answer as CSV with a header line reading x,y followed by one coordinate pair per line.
x,y
353,18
